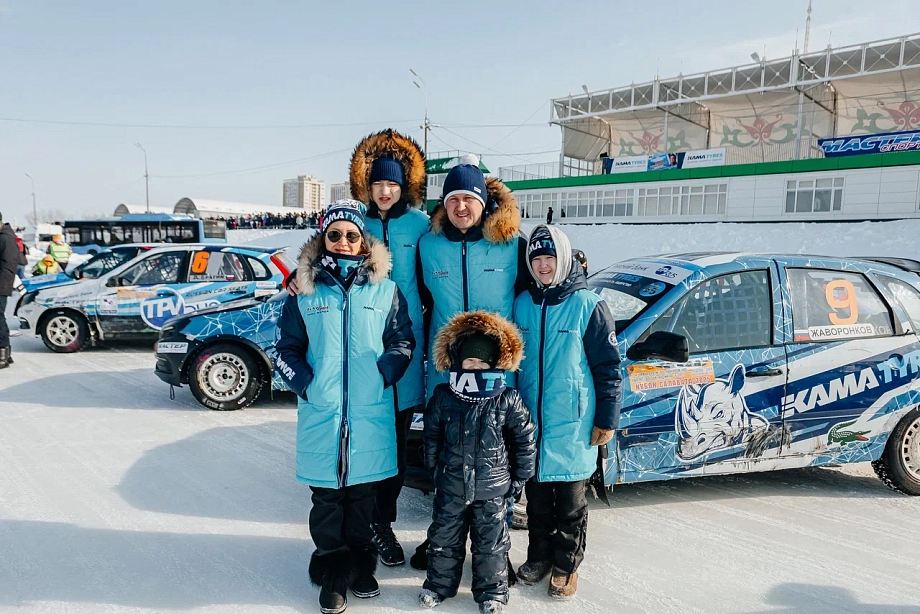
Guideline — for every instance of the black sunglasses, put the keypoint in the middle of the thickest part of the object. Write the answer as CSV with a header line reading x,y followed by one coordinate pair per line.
x,y
335,236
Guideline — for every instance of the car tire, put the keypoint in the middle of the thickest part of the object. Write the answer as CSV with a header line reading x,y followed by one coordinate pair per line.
x,y
899,466
225,377
64,331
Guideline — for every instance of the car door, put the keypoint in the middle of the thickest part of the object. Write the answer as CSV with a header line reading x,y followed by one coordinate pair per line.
x,y
721,410
852,356
138,299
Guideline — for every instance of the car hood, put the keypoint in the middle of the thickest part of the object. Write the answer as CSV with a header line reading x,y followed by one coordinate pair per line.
x,y
46,281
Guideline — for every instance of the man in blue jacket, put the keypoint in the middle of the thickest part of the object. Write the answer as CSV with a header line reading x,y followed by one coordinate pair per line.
x,y
570,380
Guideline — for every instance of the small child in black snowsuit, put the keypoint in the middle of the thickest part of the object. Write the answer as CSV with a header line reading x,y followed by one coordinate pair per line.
x,y
479,439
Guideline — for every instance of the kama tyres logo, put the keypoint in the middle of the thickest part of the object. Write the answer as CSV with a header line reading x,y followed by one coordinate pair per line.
x,y
167,305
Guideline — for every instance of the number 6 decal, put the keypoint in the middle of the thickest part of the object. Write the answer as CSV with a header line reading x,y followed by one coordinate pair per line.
x,y
200,263
847,301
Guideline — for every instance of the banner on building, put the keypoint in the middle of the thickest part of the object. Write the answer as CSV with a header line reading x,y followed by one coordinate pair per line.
x,y
698,158
857,145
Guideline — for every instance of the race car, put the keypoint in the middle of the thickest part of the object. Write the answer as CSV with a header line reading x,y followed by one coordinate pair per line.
x,y
136,298
732,363
100,264
225,354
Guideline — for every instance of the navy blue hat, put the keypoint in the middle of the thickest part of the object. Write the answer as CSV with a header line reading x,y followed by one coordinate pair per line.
x,y
346,209
387,168
466,178
541,244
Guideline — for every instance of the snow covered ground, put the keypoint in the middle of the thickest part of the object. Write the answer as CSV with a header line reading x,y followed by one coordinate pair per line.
x,y
114,498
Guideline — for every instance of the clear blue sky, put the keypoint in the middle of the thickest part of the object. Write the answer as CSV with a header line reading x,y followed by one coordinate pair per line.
x,y
205,65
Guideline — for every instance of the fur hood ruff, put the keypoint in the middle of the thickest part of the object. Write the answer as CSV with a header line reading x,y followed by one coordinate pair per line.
x,y
500,226
450,337
378,263
401,148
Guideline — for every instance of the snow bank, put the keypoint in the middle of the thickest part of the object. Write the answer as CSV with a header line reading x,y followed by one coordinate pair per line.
x,y
605,244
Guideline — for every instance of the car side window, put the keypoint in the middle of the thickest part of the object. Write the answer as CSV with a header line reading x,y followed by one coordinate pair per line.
x,y
158,269
729,312
834,305
217,266
908,298
259,269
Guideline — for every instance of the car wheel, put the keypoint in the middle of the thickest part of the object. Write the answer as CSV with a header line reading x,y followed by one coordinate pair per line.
x,y
65,331
899,466
225,377
519,520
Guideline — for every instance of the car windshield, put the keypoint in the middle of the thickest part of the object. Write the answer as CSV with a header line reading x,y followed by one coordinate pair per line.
x,y
628,296
100,264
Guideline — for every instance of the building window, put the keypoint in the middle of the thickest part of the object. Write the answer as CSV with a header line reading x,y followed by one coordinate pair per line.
x,y
814,195
709,199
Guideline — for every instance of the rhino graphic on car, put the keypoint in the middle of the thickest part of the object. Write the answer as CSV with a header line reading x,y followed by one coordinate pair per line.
x,y
714,416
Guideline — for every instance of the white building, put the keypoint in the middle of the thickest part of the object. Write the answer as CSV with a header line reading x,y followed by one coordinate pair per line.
x,y
305,192
339,191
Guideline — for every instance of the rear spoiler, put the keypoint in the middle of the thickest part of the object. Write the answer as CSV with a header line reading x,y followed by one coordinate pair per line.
x,y
905,264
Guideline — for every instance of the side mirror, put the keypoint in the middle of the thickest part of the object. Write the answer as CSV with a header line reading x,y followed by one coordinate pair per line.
x,y
661,345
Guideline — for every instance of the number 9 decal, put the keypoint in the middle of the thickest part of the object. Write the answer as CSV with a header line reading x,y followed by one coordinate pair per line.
x,y
200,263
841,294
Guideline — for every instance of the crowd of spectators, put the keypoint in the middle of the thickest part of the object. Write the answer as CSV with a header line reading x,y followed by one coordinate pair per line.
x,y
292,220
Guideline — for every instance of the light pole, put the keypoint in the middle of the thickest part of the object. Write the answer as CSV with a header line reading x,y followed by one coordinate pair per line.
x,y
146,175
424,88
34,210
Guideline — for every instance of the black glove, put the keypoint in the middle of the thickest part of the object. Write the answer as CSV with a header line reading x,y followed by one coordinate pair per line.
x,y
517,487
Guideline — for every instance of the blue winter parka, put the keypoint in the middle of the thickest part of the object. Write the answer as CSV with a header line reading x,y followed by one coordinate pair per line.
x,y
341,351
483,269
401,232
570,376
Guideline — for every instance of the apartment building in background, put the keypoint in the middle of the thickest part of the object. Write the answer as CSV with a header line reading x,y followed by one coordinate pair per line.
x,y
306,192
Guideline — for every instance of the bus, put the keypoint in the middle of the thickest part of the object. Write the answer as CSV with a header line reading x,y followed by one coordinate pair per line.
x,y
93,236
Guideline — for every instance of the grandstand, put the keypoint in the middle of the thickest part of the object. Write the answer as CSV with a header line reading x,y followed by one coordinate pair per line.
x,y
739,144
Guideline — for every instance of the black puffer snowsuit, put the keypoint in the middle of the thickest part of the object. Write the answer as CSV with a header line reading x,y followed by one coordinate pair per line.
x,y
478,448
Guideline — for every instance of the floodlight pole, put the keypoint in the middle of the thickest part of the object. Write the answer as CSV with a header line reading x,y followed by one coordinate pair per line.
x,y
424,88
146,175
34,209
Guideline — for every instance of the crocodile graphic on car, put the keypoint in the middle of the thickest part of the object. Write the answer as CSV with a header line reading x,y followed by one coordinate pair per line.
x,y
840,434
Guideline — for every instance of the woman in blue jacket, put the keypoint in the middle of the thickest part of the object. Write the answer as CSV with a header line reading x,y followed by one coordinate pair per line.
x,y
570,381
387,173
345,340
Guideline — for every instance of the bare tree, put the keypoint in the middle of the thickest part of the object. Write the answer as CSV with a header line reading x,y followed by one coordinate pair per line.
x,y
46,216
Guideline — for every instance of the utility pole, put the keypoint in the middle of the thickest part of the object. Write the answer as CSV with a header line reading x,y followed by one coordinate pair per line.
x,y
146,175
807,28
424,88
34,209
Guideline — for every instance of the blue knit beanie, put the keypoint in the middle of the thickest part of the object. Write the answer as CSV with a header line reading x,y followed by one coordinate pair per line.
x,y
387,168
466,178
346,209
541,244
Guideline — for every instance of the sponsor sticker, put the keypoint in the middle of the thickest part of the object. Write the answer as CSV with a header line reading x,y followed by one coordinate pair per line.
x,y
171,347
669,271
266,284
270,292
643,377
108,306
418,422
134,294
652,289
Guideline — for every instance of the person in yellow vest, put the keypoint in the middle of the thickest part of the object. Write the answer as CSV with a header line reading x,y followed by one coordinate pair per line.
x,y
46,266
60,251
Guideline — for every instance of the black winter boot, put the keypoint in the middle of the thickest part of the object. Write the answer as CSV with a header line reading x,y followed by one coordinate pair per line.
x,y
365,586
9,354
5,358
419,560
391,552
333,573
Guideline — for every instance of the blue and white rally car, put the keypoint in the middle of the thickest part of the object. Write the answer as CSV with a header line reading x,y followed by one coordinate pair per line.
x,y
225,354
137,297
100,264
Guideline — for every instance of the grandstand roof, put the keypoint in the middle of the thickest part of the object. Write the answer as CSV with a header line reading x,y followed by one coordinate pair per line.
x,y
126,208
766,111
200,207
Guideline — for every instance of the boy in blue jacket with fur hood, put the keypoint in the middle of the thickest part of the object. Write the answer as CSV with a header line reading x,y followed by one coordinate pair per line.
x,y
479,439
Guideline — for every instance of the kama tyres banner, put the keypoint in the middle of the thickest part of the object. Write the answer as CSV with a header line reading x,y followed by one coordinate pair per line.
x,y
857,145
666,161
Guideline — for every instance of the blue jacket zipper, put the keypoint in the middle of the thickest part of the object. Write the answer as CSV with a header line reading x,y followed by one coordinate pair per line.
x,y
466,290
343,434
540,390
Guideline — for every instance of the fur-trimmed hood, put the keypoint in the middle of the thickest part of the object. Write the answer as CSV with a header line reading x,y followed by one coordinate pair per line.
x,y
450,337
376,266
500,226
401,148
